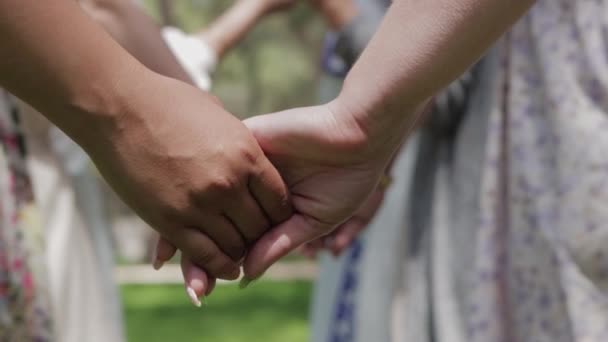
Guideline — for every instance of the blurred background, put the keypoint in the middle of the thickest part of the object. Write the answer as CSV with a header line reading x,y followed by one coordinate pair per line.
x,y
274,68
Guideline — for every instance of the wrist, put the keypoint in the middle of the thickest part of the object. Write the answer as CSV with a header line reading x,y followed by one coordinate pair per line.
x,y
99,108
378,129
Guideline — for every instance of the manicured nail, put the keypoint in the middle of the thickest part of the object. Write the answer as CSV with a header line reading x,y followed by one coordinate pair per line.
x,y
193,297
158,264
245,282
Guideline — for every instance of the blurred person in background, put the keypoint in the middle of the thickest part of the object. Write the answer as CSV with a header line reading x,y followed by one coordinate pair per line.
x,y
79,254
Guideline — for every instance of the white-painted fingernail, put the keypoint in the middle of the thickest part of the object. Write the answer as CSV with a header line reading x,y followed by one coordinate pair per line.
x,y
193,297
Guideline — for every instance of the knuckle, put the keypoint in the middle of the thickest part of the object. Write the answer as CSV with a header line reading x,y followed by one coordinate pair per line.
x,y
223,183
175,212
216,186
246,151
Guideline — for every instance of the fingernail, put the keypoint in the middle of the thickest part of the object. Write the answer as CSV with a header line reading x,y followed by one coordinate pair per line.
x,y
245,282
158,264
193,298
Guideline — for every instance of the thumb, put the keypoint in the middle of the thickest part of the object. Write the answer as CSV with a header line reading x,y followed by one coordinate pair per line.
x,y
280,241
296,121
255,123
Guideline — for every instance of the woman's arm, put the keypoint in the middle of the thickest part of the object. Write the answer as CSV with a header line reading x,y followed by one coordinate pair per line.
x,y
60,62
187,167
233,25
419,49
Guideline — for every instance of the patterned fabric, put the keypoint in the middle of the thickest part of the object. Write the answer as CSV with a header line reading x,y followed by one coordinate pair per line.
x,y
521,251
23,301
542,267
343,329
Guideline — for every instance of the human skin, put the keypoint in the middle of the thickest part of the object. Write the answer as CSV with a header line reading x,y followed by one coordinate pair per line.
x,y
342,237
188,168
332,156
140,35
337,13
137,33
232,26
132,28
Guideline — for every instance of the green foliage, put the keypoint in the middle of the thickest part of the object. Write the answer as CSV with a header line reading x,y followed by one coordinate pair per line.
x,y
274,68
264,312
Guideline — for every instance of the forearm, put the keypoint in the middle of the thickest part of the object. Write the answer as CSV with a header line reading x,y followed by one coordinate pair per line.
x,y
419,49
73,73
232,26
132,28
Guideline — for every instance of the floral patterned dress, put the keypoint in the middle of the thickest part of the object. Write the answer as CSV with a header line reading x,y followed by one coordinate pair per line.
x,y
23,300
517,248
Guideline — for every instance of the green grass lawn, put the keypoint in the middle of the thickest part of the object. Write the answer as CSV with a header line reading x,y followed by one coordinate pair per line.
x,y
265,312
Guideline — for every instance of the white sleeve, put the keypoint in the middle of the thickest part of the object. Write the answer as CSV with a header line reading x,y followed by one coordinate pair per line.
x,y
193,54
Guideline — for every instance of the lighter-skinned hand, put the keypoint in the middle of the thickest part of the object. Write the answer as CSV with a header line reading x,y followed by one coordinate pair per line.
x,y
342,237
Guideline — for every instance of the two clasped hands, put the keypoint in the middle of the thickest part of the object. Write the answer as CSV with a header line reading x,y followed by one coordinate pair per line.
x,y
224,192
229,193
